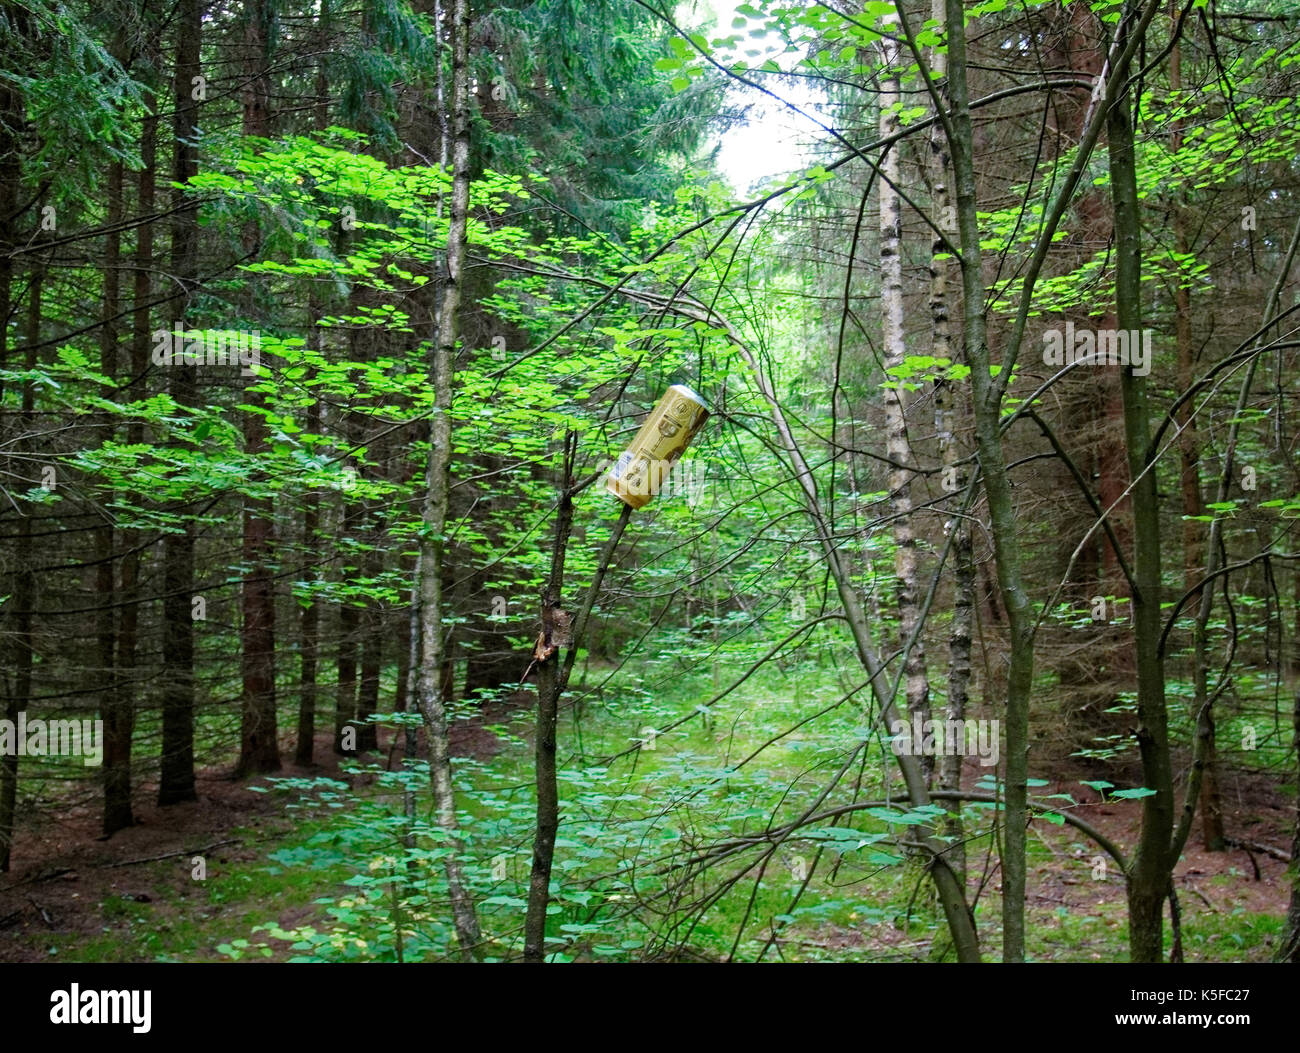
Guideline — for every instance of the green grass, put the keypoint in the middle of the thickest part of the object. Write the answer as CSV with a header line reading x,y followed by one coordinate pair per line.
x,y
185,919
332,873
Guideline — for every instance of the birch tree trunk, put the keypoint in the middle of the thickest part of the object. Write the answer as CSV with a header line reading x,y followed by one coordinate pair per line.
x,y
961,925
898,449
954,474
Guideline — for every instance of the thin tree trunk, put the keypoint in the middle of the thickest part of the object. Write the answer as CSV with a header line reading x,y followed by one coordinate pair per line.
x,y
118,744
1295,628
372,649
954,477
115,704
12,117
897,446
560,631
1189,447
954,481
430,697
345,698
410,743
1151,868
997,488
24,591
544,746
1290,950
176,776
309,622
259,750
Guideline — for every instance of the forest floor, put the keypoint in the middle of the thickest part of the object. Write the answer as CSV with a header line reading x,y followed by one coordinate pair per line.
x,y
137,896
74,896
1231,902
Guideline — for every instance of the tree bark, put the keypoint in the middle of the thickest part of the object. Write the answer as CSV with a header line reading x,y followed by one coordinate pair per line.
x,y
259,750
1290,950
115,704
1189,449
429,691
12,117
372,649
345,697
549,689
176,775
560,632
986,398
954,476
118,737
1151,868
898,448
961,925
309,620
24,592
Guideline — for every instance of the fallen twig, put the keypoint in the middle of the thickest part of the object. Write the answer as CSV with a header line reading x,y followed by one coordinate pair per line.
x,y
45,914
172,855
37,879
1255,846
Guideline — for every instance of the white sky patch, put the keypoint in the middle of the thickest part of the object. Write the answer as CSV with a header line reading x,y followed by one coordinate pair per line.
x,y
774,140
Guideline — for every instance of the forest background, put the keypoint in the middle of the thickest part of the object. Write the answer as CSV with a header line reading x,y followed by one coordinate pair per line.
x,y
321,323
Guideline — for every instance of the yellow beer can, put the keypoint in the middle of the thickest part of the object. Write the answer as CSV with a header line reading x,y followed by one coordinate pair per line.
x,y
641,469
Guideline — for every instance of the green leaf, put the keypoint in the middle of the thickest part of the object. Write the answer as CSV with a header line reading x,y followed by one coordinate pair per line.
x,y
1141,791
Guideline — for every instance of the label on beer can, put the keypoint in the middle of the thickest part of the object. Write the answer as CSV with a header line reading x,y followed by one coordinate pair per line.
x,y
641,469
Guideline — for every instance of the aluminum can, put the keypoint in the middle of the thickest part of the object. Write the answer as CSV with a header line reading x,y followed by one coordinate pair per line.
x,y
641,469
